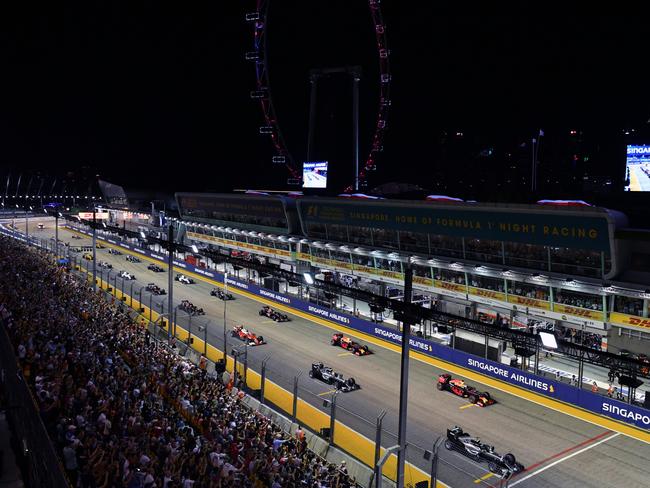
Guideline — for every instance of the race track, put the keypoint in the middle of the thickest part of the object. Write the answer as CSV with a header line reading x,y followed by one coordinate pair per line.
x,y
562,451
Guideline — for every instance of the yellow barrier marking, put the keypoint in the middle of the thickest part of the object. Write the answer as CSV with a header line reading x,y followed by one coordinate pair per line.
x,y
326,393
344,354
467,406
483,478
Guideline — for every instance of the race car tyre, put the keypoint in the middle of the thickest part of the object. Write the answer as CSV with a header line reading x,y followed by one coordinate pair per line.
x,y
448,445
509,459
494,468
333,342
311,374
472,399
260,340
440,386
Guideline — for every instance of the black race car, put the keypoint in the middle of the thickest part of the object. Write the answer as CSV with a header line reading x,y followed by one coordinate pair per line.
x,y
458,387
191,309
222,295
132,259
472,447
115,252
155,268
155,289
327,375
104,264
273,315
348,344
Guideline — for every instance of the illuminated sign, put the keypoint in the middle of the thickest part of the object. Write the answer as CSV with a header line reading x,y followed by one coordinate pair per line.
x,y
555,228
89,215
637,168
314,175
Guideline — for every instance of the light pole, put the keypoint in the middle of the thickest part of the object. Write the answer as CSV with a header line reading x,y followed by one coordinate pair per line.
x,y
94,252
404,376
170,264
225,288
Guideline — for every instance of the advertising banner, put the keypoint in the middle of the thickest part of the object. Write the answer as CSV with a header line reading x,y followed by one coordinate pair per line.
x,y
630,321
529,302
588,231
578,312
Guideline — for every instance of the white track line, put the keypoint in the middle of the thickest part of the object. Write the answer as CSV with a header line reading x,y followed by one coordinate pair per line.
x,y
535,473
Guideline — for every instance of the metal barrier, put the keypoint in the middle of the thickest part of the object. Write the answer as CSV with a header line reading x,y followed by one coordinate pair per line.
x,y
39,461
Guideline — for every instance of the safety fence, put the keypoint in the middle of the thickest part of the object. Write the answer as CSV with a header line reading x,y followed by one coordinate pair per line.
x,y
35,453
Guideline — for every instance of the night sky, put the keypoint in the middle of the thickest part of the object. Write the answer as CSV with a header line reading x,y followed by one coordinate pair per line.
x,y
156,95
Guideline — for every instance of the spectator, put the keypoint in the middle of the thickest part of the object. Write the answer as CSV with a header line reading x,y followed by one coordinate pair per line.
x,y
126,412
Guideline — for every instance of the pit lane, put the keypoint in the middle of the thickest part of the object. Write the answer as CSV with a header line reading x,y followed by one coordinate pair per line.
x,y
532,432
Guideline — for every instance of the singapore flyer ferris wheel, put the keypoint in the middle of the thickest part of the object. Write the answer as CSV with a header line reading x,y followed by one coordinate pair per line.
x,y
261,93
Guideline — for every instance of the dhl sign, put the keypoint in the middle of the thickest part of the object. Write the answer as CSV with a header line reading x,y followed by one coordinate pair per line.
x,y
629,320
390,274
578,312
421,280
481,292
446,285
529,302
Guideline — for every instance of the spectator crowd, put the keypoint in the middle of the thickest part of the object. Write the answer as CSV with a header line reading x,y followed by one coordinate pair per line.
x,y
125,411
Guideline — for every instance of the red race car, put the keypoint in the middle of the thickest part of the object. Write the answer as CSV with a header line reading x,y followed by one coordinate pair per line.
x,y
458,387
348,344
243,334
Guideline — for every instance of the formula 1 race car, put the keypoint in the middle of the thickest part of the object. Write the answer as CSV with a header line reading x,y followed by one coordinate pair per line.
x,y
247,336
100,246
181,278
155,268
40,226
114,252
458,387
222,295
155,289
74,236
132,259
104,264
191,309
472,447
273,315
126,275
327,375
88,256
348,344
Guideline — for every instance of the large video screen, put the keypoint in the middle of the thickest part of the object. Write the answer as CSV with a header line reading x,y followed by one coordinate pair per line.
x,y
637,168
314,175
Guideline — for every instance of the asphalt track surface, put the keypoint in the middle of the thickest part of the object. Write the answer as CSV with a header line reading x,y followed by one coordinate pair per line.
x,y
559,450
640,181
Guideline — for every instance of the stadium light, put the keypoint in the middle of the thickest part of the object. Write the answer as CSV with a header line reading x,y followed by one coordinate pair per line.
x,y
548,340
104,224
308,278
143,235
194,248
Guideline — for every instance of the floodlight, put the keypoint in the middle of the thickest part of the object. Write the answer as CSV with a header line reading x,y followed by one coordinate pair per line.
x,y
194,248
308,278
548,340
